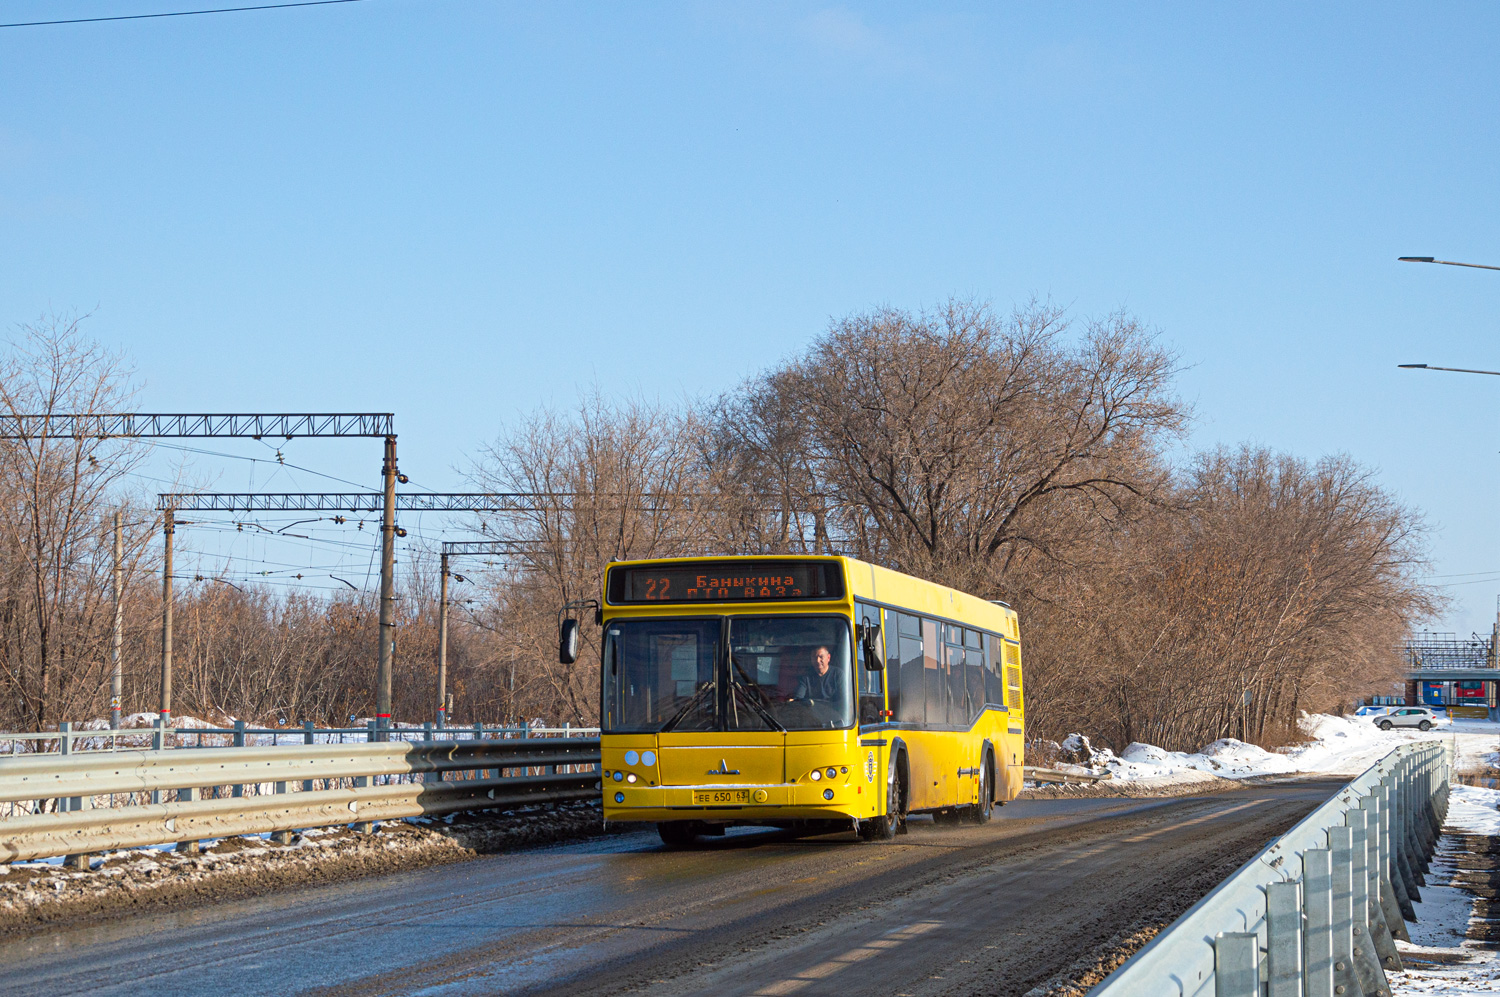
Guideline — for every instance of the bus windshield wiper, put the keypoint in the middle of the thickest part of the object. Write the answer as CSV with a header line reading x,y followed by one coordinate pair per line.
x,y
744,687
697,696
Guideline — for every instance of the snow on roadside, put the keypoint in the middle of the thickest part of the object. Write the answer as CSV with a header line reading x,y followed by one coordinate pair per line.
x,y
1440,960
1344,746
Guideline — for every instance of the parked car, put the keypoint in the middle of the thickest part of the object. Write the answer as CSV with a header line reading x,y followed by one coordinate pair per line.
x,y
1420,717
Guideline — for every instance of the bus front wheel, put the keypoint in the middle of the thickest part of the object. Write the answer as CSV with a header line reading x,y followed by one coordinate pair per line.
x,y
886,826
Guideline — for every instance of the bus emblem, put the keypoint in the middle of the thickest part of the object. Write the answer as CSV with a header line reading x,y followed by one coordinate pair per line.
x,y
723,769
869,766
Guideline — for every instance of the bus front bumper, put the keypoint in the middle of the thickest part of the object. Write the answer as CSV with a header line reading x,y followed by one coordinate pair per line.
x,y
749,804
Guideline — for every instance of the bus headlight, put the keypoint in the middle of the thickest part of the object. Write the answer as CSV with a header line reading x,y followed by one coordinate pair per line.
x,y
618,776
832,772
630,777
815,775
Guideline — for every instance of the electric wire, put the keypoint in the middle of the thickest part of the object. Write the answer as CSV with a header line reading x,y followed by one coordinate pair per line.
x,y
178,13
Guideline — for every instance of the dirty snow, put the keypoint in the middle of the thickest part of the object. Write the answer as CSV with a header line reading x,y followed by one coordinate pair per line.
x,y
1343,746
1440,961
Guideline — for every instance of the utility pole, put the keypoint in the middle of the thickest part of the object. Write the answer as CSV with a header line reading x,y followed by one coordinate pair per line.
x,y
442,715
115,636
168,519
387,586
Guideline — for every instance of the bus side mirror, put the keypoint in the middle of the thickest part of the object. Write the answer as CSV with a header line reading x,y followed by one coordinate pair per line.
x,y
870,642
567,642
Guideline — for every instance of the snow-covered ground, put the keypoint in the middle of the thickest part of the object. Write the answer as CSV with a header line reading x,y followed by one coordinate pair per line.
x,y
1440,961
1342,746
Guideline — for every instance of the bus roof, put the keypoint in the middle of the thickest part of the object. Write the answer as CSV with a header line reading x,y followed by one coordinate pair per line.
x,y
873,583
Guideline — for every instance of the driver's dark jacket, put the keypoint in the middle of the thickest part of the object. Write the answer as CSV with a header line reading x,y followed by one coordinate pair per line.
x,y
815,686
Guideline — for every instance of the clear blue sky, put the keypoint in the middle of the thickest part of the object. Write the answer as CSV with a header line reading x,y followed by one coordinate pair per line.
x,y
458,210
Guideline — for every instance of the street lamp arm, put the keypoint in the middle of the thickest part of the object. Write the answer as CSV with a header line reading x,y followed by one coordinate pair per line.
x,y
1459,370
1446,263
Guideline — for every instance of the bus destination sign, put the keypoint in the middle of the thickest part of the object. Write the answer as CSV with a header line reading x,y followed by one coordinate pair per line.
x,y
743,581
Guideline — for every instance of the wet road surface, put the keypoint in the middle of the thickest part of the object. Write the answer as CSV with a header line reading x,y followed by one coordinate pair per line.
x,y
995,909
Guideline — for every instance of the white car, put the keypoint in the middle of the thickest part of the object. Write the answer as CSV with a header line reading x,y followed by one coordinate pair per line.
x,y
1420,717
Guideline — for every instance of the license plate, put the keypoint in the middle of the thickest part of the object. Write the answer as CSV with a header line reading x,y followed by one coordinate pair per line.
x,y
721,796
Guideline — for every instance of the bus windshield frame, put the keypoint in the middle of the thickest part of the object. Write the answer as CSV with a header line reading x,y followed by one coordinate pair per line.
x,y
749,672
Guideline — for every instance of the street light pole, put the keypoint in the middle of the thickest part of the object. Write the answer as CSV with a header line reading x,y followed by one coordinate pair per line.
x,y
1458,370
1446,263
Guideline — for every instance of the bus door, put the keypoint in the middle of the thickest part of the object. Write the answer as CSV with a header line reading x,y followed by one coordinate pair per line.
x,y
874,741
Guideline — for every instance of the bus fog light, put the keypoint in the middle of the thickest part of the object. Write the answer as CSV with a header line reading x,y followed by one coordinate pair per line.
x,y
815,775
827,794
630,777
631,757
619,797
832,772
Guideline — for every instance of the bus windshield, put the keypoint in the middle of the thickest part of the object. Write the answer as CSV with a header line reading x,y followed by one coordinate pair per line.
x,y
780,673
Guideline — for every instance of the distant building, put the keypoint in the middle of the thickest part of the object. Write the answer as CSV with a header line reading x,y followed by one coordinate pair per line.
x,y
1461,674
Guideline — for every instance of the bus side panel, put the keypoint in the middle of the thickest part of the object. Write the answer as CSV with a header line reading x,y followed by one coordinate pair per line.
x,y
931,781
1011,762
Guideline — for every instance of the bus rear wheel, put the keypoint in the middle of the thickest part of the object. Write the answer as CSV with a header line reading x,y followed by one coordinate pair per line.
x,y
886,826
980,812
677,833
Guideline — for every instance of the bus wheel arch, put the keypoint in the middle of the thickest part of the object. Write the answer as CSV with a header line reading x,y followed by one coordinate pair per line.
x,y
886,826
903,778
984,804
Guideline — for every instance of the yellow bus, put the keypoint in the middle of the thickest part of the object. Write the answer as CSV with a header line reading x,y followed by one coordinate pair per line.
x,y
812,693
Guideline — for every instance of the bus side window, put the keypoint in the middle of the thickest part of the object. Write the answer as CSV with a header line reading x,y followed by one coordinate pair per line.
x,y
891,630
994,680
958,708
933,684
913,689
974,671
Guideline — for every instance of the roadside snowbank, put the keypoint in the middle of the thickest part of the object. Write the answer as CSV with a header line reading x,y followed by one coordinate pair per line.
x,y
1343,746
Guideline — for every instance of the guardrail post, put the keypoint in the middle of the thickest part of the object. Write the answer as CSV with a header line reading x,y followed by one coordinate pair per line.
x,y
1408,848
1366,962
1394,903
427,739
187,796
238,789
1237,964
1284,939
1317,906
1375,847
361,781
307,738
67,804
1345,982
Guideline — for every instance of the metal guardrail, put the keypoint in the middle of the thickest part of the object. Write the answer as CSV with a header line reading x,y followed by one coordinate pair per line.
x,y
128,798
1316,913
66,739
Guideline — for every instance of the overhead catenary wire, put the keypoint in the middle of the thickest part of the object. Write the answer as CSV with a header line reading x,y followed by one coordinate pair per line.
x,y
177,13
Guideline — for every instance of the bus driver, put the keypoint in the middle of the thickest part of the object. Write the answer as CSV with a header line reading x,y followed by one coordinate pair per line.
x,y
819,683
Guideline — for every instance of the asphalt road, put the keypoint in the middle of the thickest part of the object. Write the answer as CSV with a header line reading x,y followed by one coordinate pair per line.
x,y
996,909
